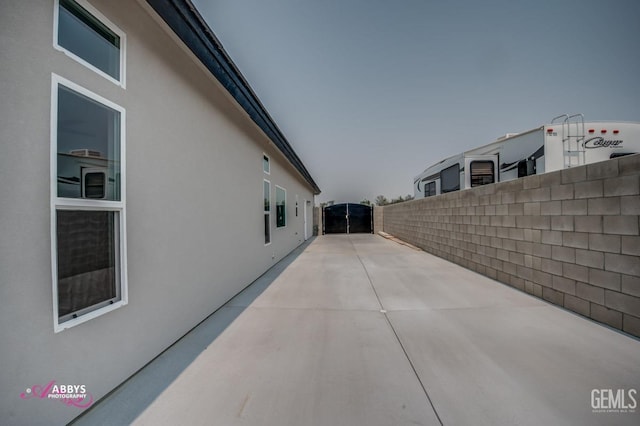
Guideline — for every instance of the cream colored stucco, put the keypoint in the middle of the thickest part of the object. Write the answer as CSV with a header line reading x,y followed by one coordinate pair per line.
x,y
194,206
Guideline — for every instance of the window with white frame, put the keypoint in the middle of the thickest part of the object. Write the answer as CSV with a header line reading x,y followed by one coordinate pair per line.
x,y
87,36
482,173
429,189
87,204
281,207
266,191
266,165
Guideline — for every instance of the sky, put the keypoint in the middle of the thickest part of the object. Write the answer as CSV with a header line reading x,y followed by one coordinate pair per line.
x,y
369,93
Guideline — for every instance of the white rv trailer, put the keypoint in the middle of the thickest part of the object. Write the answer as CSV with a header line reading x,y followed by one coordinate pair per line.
x,y
568,141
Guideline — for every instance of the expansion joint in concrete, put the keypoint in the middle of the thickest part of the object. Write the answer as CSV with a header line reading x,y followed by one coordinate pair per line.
x,y
395,333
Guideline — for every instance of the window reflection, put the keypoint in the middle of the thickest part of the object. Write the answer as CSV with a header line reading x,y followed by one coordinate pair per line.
x,y
88,148
83,35
281,196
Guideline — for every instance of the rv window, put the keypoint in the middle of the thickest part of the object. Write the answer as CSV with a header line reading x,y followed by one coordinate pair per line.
x,y
93,184
526,168
450,179
482,173
430,189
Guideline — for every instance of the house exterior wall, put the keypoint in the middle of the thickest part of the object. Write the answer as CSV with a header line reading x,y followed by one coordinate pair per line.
x,y
194,206
570,237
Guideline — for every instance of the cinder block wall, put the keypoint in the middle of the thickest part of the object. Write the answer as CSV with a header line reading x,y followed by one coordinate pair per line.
x,y
378,215
570,237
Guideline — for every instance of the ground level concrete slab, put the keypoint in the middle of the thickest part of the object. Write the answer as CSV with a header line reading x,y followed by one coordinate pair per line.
x,y
360,330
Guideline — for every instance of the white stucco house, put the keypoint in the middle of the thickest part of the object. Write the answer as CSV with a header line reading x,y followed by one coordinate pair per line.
x,y
143,186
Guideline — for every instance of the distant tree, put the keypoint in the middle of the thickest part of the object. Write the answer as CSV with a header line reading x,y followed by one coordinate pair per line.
x,y
401,199
381,200
365,202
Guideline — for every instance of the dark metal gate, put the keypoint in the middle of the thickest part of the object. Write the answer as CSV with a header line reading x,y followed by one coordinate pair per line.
x,y
347,218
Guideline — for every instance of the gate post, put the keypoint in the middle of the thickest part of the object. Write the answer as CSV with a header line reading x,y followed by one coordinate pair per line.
x,y
378,219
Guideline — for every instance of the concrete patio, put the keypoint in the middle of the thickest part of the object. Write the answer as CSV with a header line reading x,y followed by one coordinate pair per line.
x,y
360,330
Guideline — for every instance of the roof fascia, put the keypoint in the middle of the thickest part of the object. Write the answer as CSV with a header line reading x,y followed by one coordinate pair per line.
x,y
186,22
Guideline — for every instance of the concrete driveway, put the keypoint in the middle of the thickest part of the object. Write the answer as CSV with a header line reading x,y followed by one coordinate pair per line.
x,y
360,330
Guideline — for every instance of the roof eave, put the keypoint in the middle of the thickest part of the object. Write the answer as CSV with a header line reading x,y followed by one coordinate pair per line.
x,y
186,22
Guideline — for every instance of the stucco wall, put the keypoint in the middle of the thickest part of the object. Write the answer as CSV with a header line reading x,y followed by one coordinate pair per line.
x,y
194,207
570,237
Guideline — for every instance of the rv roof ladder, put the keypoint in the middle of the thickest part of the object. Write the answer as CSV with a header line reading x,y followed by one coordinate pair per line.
x,y
572,139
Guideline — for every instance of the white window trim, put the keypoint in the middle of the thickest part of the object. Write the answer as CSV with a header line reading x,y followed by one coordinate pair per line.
x,y
285,208
268,162
267,212
86,204
123,42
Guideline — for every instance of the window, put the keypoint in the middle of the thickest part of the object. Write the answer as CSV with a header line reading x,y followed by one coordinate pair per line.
x,y
88,146
88,208
90,38
266,167
86,261
450,179
266,191
482,173
281,200
430,189
526,168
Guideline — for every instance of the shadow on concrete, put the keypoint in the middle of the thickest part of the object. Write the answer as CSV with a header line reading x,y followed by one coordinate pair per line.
x,y
126,402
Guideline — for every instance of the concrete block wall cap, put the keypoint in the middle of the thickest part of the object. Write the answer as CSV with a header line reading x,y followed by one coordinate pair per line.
x,y
629,164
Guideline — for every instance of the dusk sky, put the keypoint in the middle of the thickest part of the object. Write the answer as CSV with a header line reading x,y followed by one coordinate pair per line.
x,y
371,92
